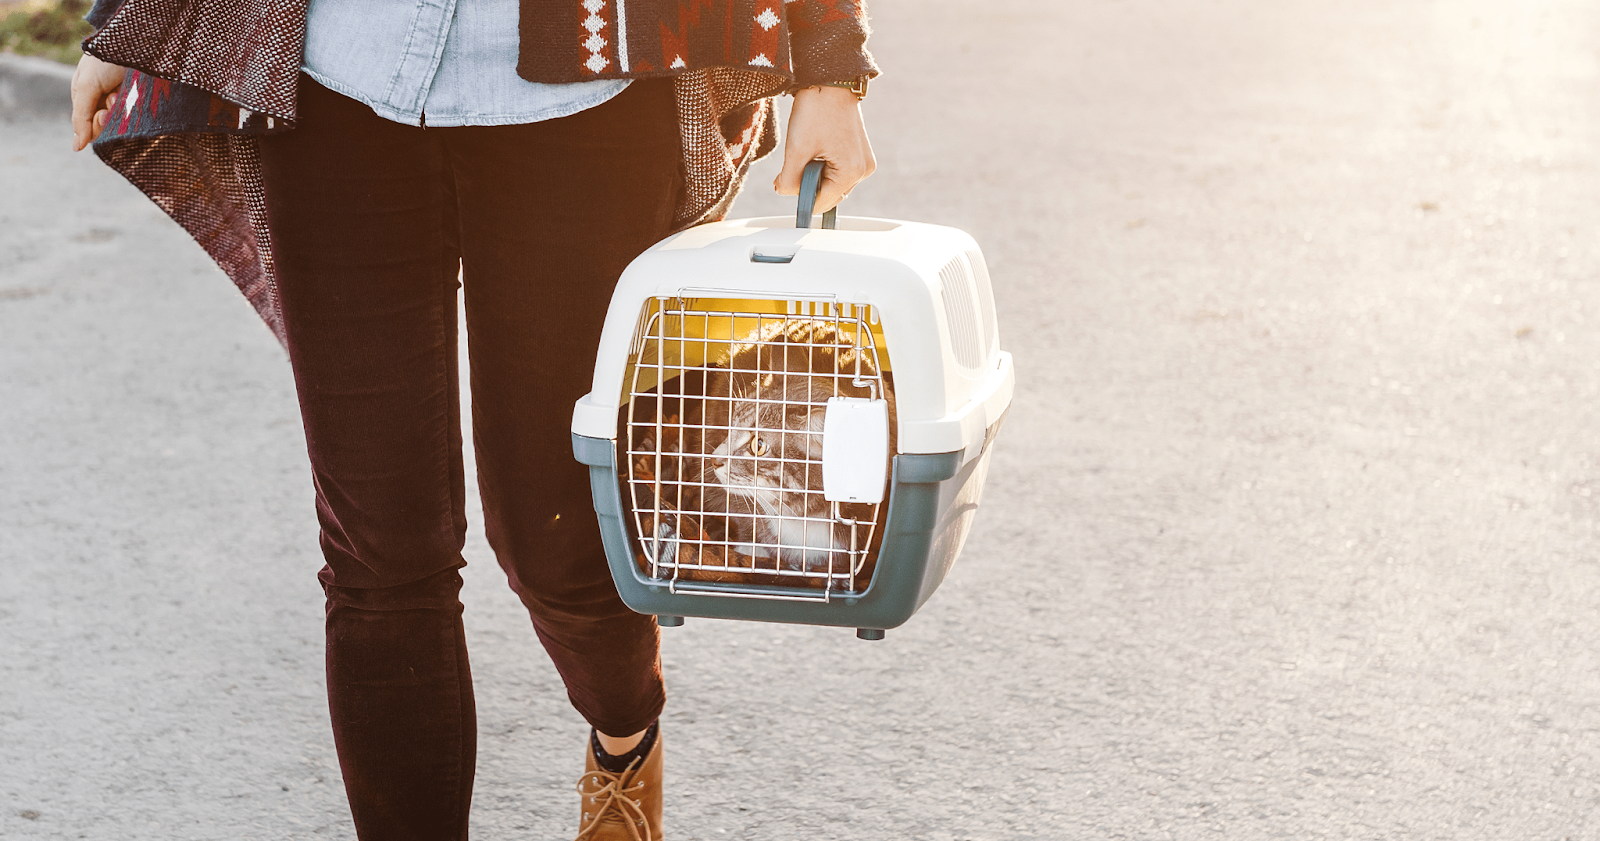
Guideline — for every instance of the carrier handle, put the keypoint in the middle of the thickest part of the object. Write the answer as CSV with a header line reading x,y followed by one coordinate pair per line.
x,y
810,187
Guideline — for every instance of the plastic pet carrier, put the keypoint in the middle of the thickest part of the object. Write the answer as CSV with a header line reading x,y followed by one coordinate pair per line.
x,y
791,424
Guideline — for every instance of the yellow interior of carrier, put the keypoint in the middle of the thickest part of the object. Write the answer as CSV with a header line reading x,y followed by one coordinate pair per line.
x,y
695,340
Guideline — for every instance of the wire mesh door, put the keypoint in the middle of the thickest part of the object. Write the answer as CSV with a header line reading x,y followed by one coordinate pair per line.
x,y
724,435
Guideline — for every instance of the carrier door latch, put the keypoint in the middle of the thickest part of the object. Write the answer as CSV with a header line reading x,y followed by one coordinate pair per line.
x,y
855,449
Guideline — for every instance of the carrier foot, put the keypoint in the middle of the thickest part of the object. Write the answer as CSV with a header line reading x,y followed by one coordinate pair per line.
x,y
669,621
869,633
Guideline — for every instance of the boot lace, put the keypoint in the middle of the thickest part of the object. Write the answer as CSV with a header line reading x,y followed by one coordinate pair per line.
x,y
608,793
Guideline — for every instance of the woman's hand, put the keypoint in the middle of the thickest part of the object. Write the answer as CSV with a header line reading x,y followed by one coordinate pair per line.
x,y
826,123
94,91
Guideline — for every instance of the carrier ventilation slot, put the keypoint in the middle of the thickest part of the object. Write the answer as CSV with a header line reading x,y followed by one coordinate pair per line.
x,y
986,314
961,313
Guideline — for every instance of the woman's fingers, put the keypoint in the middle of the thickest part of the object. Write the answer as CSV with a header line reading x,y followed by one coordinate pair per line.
x,y
94,88
103,116
826,124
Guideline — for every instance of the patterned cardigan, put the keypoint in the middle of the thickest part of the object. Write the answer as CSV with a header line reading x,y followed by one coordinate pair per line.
x,y
208,77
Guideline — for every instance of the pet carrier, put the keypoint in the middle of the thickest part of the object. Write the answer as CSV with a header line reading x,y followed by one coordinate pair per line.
x,y
791,424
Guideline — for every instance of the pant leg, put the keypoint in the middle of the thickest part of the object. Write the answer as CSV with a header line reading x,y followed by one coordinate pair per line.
x,y
551,214
361,222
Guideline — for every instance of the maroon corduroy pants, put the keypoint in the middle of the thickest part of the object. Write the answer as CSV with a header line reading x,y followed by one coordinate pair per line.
x,y
371,221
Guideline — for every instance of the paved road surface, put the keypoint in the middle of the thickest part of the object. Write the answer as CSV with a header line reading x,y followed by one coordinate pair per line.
x,y
1292,532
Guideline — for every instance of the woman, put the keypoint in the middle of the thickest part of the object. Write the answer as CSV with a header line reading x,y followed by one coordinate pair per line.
x,y
533,148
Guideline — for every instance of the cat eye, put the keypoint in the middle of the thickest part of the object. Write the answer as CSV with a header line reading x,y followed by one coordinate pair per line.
x,y
758,447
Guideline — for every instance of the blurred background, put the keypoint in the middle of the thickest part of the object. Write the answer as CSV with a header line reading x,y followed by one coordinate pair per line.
x,y
1293,531
48,28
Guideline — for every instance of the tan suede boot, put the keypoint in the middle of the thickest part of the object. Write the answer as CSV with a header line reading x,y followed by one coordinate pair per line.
x,y
625,806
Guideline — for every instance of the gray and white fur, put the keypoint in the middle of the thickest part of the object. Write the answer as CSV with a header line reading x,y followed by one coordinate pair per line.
x,y
762,446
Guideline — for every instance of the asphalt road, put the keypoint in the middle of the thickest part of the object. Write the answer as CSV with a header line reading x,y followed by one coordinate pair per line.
x,y
1292,532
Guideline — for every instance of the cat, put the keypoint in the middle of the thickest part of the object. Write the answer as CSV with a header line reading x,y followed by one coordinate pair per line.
x,y
756,453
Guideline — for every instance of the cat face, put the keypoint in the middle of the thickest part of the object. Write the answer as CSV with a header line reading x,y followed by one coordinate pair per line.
x,y
769,464
772,449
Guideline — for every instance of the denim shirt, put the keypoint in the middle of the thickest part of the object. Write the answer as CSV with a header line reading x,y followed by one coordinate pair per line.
x,y
436,62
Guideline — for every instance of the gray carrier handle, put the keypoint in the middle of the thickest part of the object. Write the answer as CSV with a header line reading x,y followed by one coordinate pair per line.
x,y
810,187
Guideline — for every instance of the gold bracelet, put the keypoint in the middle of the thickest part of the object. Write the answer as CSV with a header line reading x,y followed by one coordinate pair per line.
x,y
857,86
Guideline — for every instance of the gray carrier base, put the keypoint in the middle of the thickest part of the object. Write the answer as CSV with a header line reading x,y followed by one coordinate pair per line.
x,y
932,499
